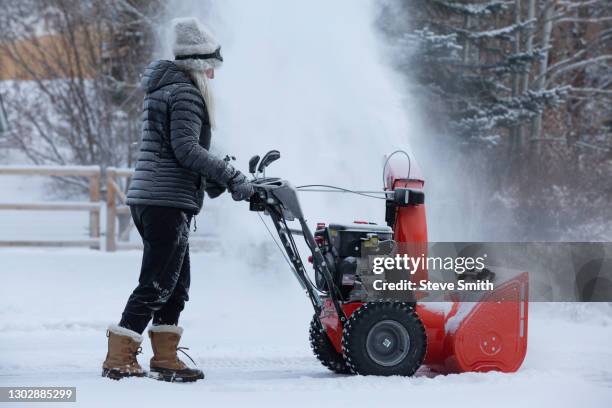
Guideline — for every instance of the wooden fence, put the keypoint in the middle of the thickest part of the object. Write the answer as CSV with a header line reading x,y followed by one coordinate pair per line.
x,y
93,173
115,208
114,193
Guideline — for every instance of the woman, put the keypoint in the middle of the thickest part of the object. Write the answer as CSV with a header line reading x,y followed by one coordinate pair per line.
x,y
173,170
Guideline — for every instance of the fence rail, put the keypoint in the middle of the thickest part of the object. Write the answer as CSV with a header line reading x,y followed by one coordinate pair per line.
x,y
91,243
16,170
93,173
51,206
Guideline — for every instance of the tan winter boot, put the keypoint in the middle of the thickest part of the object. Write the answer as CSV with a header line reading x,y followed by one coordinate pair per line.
x,y
123,346
165,364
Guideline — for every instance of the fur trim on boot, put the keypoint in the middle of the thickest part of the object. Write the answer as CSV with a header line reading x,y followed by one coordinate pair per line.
x,y
122,331
168,328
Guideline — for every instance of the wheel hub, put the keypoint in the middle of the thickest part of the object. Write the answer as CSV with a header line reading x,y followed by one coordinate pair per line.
x,y
388,343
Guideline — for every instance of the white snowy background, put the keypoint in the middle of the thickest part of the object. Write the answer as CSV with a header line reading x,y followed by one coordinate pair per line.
x,y
309,79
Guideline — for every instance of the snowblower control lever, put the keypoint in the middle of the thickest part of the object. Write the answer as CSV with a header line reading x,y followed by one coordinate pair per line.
x,y
253,164
268,158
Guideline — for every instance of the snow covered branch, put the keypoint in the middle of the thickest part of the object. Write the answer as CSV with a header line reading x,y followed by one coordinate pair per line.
x,y
474,9
503,32
576,65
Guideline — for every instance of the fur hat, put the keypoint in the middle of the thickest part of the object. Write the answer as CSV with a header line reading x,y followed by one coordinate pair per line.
x,y
194,47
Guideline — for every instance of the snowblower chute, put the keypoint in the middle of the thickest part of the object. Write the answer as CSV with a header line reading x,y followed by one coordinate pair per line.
x,y
351,335
461,336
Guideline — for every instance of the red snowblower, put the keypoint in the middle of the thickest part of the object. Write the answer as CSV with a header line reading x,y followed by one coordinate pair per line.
x,y
350,335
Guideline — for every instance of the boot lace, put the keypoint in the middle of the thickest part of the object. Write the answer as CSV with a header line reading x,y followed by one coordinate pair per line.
x,y
134,360
181,349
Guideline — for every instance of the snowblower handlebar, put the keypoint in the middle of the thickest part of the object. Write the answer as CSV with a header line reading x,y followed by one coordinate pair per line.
x,y
278,199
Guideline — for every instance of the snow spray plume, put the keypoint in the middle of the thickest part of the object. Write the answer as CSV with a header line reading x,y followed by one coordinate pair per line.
x,y
320,94
458,189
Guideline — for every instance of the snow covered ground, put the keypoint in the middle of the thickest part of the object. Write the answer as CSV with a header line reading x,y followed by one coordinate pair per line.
x,y
247,329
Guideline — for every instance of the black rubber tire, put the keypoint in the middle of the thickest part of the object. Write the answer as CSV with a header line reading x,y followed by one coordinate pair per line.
x,y
360,324
324,350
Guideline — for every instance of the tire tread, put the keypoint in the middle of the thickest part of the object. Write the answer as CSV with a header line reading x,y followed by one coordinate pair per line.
x,y
324,351
355,359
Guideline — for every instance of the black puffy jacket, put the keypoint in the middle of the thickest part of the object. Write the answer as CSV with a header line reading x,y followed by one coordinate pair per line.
x,y
173,162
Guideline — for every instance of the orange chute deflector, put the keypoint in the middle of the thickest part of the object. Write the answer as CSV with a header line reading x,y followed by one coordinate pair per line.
x,y
489,335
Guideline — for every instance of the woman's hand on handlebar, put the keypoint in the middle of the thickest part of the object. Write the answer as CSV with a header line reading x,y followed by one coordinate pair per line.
x,y
240,187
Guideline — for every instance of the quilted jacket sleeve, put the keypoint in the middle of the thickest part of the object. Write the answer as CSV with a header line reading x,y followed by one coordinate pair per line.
x,y
186,113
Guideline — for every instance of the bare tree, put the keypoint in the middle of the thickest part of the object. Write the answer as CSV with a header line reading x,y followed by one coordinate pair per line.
x,y
71,72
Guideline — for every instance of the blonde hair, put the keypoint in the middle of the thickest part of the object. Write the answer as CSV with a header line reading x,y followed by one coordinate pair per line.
x,y
201,81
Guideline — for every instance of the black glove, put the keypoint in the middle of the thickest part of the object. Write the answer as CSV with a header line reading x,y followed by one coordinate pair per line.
x,y
240,187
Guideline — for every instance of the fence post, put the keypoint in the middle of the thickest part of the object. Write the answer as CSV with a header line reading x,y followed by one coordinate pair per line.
x,y
111,210
94,197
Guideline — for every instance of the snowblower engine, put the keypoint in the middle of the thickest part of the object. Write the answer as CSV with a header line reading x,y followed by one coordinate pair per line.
x,y
341,246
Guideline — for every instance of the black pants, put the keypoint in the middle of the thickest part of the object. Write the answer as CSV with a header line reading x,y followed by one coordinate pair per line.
x,y
163,285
